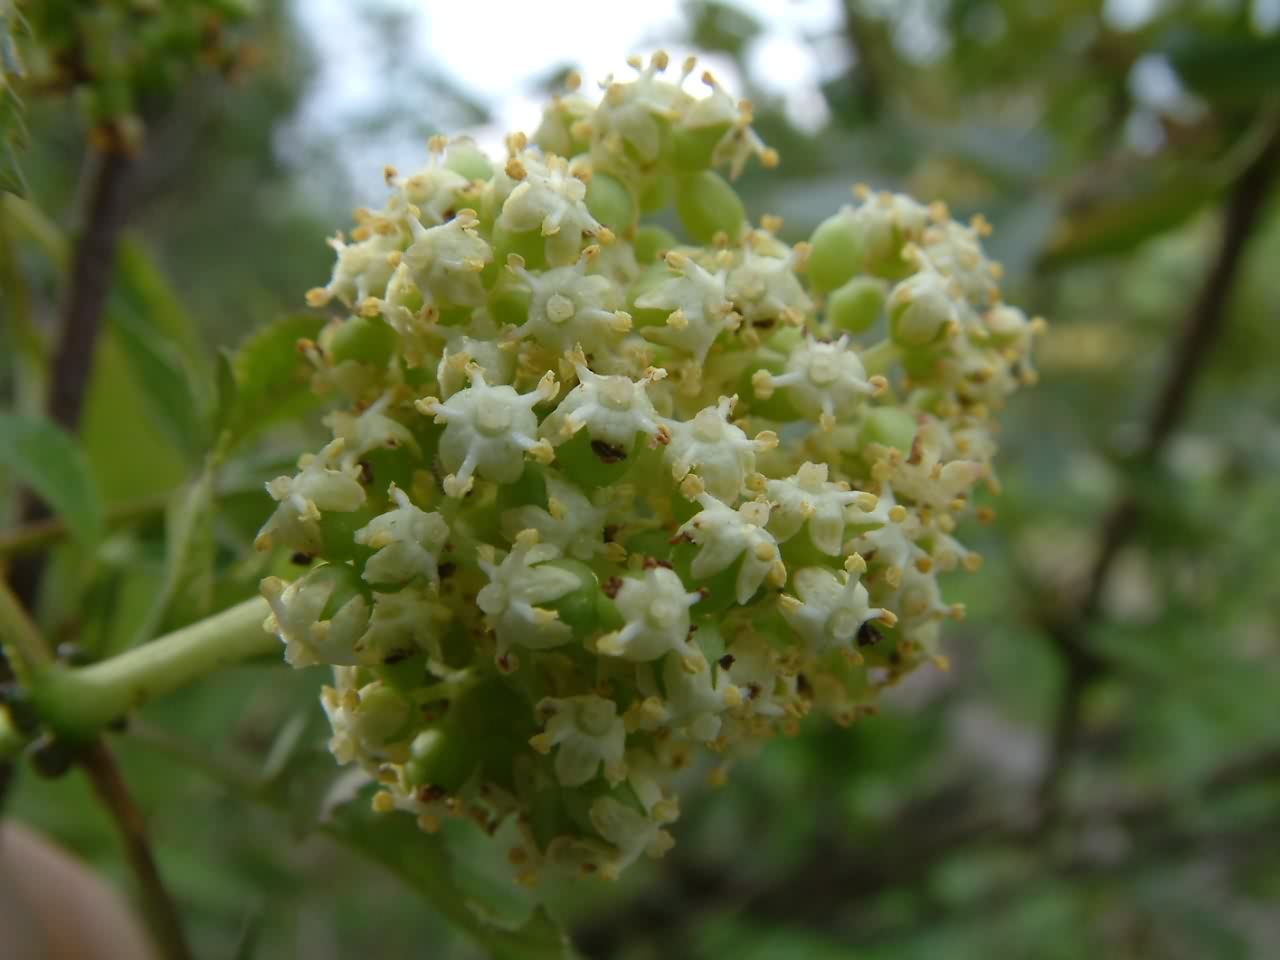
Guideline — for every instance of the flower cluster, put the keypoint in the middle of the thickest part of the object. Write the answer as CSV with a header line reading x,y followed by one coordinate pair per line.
x,y
605,504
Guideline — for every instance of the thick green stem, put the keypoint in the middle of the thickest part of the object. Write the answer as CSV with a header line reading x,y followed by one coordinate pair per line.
x,y
78,702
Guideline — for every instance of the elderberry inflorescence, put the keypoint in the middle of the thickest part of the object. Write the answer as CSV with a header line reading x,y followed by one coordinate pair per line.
x,y
604,503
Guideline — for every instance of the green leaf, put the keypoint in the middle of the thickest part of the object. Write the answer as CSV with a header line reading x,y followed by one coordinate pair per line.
x,y
423,861
189,547
272,379
1118,224
130,463
1238,66
162,344
49,460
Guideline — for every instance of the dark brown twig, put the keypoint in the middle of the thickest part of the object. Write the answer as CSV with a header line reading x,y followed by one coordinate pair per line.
x,y
161,911
90,282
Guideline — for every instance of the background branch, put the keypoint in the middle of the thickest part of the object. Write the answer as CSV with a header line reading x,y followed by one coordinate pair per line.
x,y
1203,325
91,271
161,911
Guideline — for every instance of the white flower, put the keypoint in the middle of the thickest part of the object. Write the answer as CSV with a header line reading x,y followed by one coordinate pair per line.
x,y
831,609
570,521
725,534
432,191
571,308
408,542
370,429
766,288
322,483
808,497
921,308
716,450
550,199
403,623
696,693
925,478
363,268
825,380
956,250
629,113
753,667
560,117
645,773
892,545
509,601
489,430
296,610
698,303
887,222
613,409
739,142
631,832
918,601
445,261
365,720
494,357
655,608
587,733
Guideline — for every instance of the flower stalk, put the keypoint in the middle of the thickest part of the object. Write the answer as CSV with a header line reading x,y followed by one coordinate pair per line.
x,y
77,702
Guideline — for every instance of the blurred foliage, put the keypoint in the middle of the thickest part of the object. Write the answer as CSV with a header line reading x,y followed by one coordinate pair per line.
x,y
1103,151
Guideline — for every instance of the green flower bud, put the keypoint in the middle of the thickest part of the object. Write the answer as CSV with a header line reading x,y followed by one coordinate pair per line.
x,y
889,427
837,252
920,309
359,338
655,195
692,148
707,206
611,202
464,157
651,242
855,305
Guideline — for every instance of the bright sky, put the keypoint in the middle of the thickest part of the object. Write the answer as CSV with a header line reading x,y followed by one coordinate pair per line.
x,y
496,51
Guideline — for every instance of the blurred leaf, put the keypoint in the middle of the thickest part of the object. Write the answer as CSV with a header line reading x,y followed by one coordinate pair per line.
x,y
162,344
129,463
13,129
422,861
49,460
1117,225
188,569
1238,66
272,379
482,872
721,26
27,221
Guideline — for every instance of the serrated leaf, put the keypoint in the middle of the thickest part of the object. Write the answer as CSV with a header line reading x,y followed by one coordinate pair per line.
x,y
423,862
49,460
272,379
